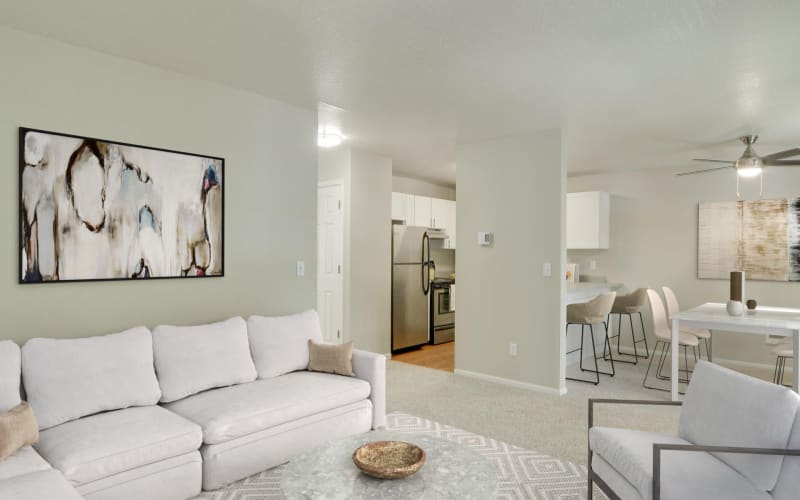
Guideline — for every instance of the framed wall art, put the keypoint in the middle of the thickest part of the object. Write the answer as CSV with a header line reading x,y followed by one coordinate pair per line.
x,y
92,209
760,237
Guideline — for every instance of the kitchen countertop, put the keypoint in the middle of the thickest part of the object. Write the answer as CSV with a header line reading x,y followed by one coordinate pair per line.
x,y
583,292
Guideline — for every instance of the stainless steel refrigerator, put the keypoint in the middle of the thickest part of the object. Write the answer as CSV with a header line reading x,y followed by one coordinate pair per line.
x,y
412,271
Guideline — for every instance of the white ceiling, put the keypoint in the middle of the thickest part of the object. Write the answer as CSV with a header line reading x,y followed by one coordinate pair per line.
x,y
634,83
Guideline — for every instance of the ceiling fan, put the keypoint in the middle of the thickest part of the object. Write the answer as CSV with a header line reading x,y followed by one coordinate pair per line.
x,y
750,164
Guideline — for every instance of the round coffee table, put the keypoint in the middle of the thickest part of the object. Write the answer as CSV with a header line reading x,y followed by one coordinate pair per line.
x,y
450,471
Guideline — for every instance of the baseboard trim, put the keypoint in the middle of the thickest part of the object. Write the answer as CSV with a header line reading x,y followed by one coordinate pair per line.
x,y
511,383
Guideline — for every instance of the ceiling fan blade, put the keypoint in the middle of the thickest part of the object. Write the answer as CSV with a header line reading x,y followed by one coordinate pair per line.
x,y
784,163
704,170
731,162
781,154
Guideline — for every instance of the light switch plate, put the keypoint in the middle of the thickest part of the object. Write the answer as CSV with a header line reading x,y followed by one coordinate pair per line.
x,y
301,268
547,269
484,239
512,349
592,265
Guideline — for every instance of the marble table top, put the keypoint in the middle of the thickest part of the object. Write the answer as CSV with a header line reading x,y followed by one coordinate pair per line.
x,y
450,471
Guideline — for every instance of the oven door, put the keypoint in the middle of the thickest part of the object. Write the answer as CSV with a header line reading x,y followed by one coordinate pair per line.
x,y
442,315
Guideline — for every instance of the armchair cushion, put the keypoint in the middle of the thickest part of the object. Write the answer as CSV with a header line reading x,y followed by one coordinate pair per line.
x,y
623,458
726,408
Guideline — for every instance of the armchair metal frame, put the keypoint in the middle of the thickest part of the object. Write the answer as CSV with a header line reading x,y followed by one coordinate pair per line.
x,y
659,447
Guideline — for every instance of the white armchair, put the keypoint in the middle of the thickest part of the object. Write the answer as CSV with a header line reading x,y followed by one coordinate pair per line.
x,y
739,438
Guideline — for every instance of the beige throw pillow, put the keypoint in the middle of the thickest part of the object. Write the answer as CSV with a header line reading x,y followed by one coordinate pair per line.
x,y
18,428
331,358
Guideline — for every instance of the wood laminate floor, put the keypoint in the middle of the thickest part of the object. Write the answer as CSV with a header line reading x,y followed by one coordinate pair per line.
x,y
438,357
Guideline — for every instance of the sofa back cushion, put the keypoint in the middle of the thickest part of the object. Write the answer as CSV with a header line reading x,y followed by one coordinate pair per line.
x,y
67,379
191,359
789,479
280,343
9,375
726,408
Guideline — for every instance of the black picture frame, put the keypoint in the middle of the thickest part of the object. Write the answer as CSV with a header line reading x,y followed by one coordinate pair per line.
x,y
23,131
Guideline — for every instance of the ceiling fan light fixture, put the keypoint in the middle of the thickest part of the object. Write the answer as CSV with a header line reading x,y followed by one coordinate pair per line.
x,y
749,171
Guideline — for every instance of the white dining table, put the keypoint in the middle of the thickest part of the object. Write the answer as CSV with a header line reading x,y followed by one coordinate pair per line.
x,y
779,321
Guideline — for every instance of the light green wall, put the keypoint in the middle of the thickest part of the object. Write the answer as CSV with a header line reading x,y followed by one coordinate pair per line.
x,y
367,258
270,187
514,188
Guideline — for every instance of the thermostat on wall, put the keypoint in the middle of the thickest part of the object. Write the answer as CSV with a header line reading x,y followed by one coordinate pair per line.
x,y
484,239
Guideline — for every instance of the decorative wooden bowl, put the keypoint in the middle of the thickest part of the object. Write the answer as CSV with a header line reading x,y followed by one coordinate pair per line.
x,y
389,459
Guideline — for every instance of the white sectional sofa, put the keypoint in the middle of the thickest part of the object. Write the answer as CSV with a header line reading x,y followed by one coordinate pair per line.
x,y
161,415
25,475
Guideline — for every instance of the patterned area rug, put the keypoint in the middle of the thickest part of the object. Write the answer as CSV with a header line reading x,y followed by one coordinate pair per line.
x,y
521,473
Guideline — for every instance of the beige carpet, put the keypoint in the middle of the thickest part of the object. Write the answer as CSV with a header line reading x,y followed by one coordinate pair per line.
x,y
549,424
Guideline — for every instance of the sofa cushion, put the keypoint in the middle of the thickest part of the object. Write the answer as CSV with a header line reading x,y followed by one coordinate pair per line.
x,y
67,379
25,460
190,359
232,412
684,475
280,343
789,479
726,408
49,484
9,375
95,447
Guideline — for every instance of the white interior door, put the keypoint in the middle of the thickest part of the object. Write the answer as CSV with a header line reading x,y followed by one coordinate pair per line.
x,y
330,243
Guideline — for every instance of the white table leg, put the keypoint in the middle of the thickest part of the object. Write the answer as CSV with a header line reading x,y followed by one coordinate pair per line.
x,y
674,375
796,361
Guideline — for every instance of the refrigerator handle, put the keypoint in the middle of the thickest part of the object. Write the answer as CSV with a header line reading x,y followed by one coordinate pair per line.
x,y
426,255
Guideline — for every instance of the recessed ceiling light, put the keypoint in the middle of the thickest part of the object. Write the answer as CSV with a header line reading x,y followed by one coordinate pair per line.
x,y
329,139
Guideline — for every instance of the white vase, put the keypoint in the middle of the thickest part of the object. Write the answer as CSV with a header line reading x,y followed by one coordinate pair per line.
x,y
735,308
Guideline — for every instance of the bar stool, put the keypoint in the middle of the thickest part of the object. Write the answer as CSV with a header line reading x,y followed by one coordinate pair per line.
x,y
628,305
673,308
663,335
783,351
589,314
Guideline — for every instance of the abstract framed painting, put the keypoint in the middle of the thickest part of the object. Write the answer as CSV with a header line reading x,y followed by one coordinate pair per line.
x,y
98,210
760,237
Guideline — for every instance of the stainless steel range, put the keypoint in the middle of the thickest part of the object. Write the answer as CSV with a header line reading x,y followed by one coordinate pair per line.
x,y
443,314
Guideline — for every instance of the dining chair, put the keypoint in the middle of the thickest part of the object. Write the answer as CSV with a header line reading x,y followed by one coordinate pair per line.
x,y
674,308
782,351
628,305
589,314
663,336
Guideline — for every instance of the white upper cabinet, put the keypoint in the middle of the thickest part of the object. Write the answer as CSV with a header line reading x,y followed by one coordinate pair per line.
x,y
422,211
588,220
426,212
403,207
443,213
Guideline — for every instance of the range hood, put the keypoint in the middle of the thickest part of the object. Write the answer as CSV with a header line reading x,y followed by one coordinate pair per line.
x,y
436,234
